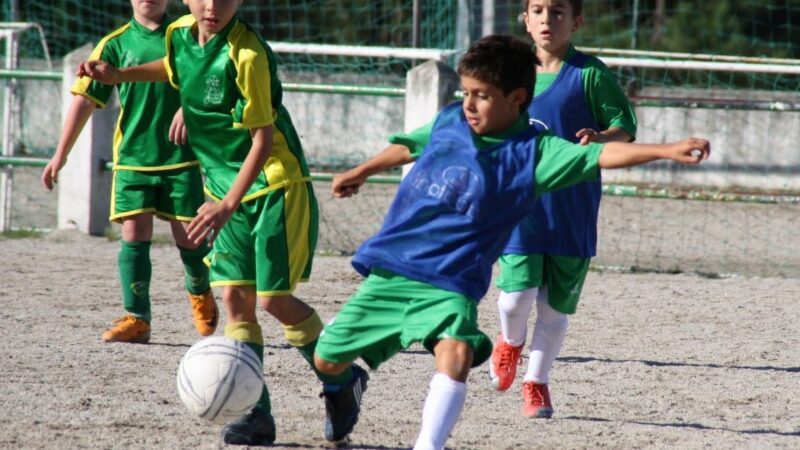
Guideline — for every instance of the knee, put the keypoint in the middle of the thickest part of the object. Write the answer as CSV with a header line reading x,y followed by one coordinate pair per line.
x,y
517,302
272,304
547,315
453,358
329,368
461,352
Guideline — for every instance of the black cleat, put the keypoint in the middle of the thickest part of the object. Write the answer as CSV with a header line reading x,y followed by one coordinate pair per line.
x,y
342,408
254,428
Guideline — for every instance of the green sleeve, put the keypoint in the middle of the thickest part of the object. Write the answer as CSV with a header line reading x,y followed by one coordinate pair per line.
x,y
560,163
609,105
415,140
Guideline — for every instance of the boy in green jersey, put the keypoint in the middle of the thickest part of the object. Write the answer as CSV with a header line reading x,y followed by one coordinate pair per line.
x,y
152,176
479,168
545,263
264,217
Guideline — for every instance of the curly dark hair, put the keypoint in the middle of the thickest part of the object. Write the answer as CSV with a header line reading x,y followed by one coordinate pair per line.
x,y
503,61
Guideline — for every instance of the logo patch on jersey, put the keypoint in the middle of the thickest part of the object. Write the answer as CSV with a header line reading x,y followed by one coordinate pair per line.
x,y
455,186
129,59
213,94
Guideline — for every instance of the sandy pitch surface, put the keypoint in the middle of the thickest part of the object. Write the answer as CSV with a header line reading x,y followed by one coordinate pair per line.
x,y
650,361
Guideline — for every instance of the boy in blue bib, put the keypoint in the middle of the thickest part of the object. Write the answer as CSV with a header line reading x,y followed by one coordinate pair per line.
x,y
479,169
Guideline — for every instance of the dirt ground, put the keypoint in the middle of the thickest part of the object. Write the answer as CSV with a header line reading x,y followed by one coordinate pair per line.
x,y
650,361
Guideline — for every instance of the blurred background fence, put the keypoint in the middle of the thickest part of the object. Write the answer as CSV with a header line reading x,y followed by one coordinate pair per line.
x,y
727,70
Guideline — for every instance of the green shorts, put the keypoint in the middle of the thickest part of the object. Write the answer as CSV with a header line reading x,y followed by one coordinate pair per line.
x,y
170,194
389,312
563,275
268,242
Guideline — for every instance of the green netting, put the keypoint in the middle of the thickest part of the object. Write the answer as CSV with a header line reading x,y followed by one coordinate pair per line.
x,y
70,23
750,116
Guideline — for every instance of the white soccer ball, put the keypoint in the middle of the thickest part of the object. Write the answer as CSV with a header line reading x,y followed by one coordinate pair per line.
x,y
220,379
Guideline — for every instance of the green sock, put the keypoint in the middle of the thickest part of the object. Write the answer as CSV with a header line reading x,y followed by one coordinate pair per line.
x,y
135,272
308,354
263,402
250,334
195,269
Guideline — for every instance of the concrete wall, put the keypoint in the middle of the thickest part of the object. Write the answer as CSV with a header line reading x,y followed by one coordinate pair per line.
x,y
751,149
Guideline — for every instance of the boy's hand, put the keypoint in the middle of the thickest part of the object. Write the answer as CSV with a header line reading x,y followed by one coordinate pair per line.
x,y
587,135
210,218
100,71
689,151
177,129
50,172
347,184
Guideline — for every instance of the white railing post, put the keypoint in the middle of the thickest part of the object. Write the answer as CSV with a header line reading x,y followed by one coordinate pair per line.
x,y
429,87
84,185
10,110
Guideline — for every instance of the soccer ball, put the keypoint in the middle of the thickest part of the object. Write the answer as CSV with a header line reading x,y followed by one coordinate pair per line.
x,y
220,379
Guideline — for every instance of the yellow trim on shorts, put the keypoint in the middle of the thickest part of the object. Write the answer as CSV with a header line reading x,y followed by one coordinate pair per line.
x,y
233,282
259,193
113,194
117,136
170,217
121,216
285,166
158,168
273,293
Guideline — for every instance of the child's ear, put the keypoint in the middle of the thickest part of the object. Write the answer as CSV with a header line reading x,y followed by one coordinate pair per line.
x,y
518,96
576,23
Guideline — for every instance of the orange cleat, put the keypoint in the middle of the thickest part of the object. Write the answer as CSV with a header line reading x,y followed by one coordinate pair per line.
x,y
503,367
536,400
128,329
204,312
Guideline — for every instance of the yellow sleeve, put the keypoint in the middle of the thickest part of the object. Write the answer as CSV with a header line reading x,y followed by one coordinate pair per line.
x,y
186,21
254,109
95,92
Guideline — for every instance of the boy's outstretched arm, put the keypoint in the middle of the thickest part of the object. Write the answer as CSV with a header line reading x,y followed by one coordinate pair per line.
x,y
212,216
347,184
80,109
613,134
618,155
107,74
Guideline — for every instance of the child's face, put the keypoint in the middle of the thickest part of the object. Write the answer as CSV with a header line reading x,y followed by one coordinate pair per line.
x,y
551,23
212,15
488,110
150,10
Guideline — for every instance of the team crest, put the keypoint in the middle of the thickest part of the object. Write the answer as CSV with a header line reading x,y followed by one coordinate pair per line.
x,y
213,91
129,59
140,288
194,281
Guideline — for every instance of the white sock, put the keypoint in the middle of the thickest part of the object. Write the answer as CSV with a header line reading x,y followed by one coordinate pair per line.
x,y
515,308
442,407
548,337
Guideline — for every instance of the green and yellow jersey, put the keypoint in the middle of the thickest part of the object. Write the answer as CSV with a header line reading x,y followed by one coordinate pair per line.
x,y
229,86
141,138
